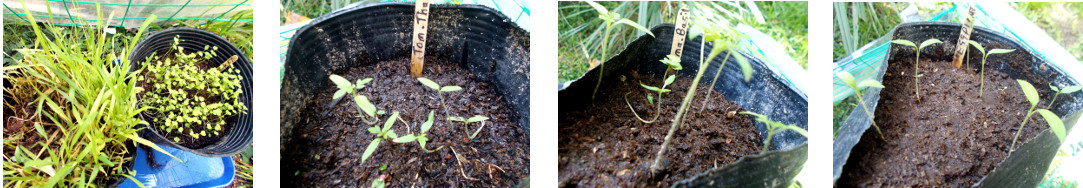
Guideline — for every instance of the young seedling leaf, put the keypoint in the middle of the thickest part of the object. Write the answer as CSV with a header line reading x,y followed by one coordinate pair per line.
x,y
361,83
370,149
341,82
1054,88
391,134
870,83
456,118
339,94
976,45
1000,51
625,21
1029,91
428,123
746,68
390,121
673,62
429,83
669,80
406,139
477,119
598,7
365,105
374,130
847,78
1054,122
1071,89
929,42
904,42
450,88
652,88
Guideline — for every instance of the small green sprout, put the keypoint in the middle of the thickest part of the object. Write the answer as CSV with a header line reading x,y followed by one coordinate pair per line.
x,y
421,138
611,19
774,127
380,182
849,79
674,63
1065,90
439,91
382,133
466,122
981,86
917,59
1052,119
364,106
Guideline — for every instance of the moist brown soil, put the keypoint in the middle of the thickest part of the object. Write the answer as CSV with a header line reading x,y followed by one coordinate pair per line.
x,y
326,148
185,139
604,145
951,138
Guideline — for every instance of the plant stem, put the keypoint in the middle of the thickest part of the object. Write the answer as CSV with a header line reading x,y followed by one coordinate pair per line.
x,y
917,91
767,142
1025,118
657,112
680,112
716,74
981,86
862,101
1054,100
601,66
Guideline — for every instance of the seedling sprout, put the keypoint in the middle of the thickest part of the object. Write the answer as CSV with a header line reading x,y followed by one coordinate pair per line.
x,y
981,49
1052,119
917,59
611,19
849,79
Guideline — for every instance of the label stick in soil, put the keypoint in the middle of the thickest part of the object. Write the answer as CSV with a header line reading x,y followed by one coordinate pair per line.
x,y
964,35
681,32
421,28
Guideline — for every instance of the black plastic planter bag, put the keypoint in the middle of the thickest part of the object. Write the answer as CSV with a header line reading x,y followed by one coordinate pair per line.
x,y
477,38
766,93
1024,167
239,137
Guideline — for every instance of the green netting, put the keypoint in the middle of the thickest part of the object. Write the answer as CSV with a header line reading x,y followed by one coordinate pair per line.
x,y
125,12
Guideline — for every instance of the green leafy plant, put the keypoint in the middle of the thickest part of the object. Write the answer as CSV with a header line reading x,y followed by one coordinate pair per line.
x,y
439,91
364,106
774,127
185,100
1052,119
1065,90
421,138
467,121
611,19
382,133
69,92
673,62
849,79
917,59
981,86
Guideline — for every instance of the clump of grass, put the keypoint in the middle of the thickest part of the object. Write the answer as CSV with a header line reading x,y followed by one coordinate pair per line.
x,y
83,105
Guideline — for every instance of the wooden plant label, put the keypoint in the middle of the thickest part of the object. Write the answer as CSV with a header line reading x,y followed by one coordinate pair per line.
x,y
680,32
421,27
964,35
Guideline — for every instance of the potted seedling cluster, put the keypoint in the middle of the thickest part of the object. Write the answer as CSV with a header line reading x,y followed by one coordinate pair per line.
x,y
356,114
956,129
606,133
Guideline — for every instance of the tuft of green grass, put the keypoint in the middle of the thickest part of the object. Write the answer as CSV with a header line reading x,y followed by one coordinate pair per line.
x,y
859,23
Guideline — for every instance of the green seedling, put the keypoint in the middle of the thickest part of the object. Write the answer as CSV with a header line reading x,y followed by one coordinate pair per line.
x,y
774,127
917,59
611,19
733,40
467,121
421,138
849,79
382,133
1052,119
715,34
365,108
380,182
1065,90
673,62
984,55
439,91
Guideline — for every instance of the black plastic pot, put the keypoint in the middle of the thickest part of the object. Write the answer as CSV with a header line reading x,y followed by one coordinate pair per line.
x,y
477,38
237,138
1025,166
766,93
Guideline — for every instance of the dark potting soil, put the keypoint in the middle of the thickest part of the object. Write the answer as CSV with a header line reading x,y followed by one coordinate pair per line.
x,y
604,145
952,137
326,149
185,139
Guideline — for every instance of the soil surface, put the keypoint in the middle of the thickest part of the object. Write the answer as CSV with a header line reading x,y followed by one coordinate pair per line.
x,y
606,146
185,139
952,137
326,149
